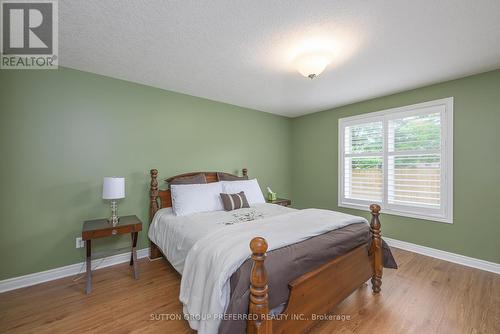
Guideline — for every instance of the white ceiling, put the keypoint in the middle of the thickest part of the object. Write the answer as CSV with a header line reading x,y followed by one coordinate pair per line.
x,y
240,52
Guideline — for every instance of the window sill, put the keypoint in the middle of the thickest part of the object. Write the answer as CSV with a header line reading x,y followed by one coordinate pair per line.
x,y
363,207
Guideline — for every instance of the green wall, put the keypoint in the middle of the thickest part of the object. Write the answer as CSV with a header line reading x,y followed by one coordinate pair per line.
x,y
62,131
476,226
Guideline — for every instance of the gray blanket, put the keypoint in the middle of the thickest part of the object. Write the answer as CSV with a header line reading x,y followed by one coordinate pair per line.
x,y
288,263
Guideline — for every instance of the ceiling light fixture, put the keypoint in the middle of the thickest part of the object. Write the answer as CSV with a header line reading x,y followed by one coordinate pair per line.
x,y
312,64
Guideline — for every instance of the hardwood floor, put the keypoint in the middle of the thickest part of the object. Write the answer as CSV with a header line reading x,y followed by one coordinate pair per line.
x,y
424,295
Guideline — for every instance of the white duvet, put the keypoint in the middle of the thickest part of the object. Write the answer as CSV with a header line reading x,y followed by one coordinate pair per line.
x,y
176,235
209,250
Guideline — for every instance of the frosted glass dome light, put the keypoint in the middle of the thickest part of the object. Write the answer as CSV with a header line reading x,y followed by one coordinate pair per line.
x,y
312,64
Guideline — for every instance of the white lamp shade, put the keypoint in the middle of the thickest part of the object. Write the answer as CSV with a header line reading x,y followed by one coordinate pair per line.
x,y
113,188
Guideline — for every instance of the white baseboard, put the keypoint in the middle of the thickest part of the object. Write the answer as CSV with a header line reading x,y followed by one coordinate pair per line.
x,y
72,269
77,268
446,256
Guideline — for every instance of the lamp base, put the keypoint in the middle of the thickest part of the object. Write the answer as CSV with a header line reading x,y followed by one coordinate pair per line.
x,y
114,219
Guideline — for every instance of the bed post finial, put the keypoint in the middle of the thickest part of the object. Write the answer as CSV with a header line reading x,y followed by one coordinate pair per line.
x,y
258,322
153,194
376,248
245,172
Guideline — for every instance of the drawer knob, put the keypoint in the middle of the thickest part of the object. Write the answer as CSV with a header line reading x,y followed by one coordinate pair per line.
x,y
113,232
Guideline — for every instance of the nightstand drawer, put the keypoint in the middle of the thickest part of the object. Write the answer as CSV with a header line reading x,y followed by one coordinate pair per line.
x,y
107,232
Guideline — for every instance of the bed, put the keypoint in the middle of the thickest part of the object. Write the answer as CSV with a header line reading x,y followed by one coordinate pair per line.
x,y
307,249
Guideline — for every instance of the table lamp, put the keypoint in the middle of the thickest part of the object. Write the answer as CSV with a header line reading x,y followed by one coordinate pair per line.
x,y
113,188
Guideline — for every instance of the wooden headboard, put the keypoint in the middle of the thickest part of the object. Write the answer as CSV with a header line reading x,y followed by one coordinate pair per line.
x,y
162,198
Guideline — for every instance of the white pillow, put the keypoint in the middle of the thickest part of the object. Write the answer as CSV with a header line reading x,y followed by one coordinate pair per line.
x,y
250,187
192,198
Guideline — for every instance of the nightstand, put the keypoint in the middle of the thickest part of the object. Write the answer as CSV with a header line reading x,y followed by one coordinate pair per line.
x,y
281,201
100,228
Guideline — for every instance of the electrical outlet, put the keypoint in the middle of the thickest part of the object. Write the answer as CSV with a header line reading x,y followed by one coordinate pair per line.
x,y
80,243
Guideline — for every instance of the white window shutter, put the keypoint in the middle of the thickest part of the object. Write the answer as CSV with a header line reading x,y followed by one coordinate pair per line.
x,y
400,158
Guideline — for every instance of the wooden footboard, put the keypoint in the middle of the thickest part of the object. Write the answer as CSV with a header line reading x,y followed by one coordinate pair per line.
x,y
316,292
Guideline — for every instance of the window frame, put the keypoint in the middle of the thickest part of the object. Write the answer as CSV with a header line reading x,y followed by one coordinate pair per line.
x,y
445,213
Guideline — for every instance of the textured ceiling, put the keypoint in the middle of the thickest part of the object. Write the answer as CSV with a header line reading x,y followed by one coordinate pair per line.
x,y
240,52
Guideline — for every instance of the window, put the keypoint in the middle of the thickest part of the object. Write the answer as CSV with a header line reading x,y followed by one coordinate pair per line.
x,y
400,158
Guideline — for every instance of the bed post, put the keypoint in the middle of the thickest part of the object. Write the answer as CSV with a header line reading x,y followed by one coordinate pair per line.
x,y
153,194
154,252
376,248
258,310
245,172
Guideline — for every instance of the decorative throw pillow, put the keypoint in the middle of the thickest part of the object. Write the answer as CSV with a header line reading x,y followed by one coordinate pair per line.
x,y
194,179
234,201
229,177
